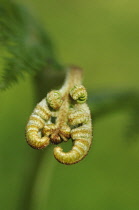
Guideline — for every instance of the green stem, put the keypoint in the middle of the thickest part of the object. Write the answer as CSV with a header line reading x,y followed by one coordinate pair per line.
x,y
42,183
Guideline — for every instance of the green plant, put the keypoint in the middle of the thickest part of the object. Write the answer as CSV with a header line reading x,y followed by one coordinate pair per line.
x,y
26,48
73,120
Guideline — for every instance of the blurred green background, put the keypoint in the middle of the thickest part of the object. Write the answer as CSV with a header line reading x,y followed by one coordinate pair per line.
x,y
103,38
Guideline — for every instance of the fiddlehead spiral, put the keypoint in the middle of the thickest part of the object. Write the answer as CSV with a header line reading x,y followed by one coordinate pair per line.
x,y
79,94
81,137
73,120
36,122
54,99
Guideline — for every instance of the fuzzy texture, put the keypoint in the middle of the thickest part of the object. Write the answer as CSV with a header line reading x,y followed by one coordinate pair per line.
x,y
36,122
79,94
72,120
81,137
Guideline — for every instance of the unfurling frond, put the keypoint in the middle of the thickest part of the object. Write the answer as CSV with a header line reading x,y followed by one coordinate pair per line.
x,y
73,120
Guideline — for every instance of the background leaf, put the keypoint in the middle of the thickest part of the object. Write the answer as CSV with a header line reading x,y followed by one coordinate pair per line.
x,y
106,102
24,44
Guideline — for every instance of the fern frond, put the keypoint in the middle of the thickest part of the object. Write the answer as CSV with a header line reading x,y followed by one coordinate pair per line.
x,y
27,46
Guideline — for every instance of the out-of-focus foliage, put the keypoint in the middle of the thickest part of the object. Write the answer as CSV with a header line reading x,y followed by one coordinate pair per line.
x,y
24,44
106,102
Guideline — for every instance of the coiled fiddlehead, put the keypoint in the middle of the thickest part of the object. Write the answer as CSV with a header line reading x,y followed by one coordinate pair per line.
x,y
73,120
36,122
81,137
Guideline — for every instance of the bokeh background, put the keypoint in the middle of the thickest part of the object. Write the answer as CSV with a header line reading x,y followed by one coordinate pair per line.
x,y
103,38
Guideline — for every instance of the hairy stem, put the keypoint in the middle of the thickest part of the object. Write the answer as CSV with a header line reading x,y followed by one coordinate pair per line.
x,y
73,77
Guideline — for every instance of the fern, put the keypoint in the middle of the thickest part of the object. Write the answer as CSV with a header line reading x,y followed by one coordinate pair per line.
x,y
26,48
24,45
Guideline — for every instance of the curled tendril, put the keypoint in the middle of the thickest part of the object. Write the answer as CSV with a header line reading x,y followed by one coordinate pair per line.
x,y
71,123
54,99
81,137
79,93
40,115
